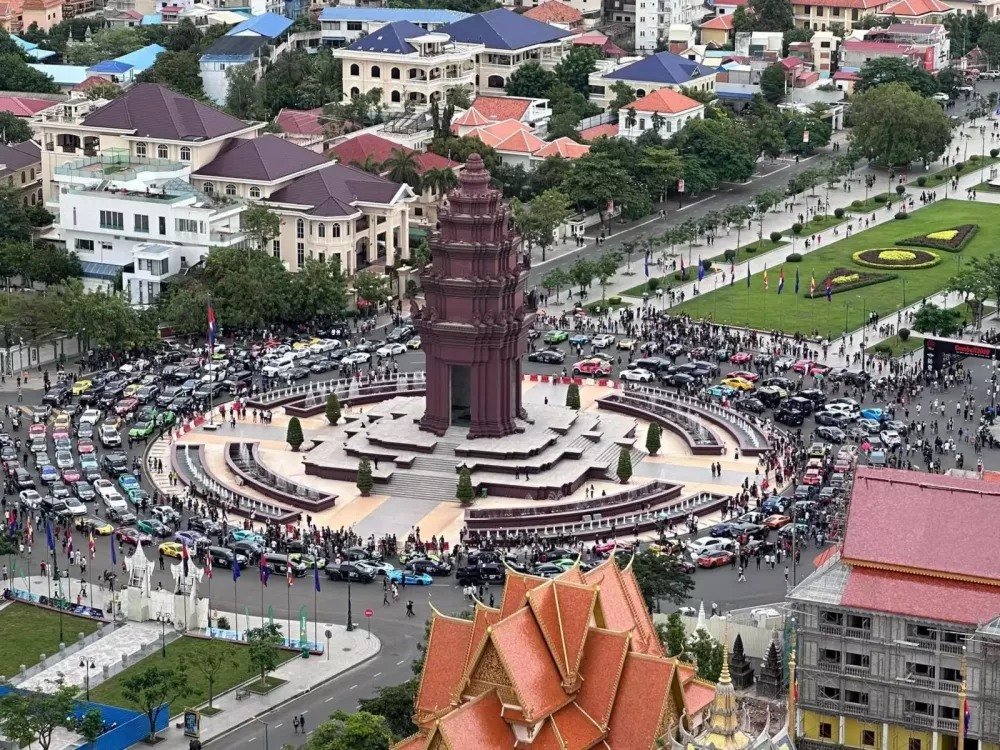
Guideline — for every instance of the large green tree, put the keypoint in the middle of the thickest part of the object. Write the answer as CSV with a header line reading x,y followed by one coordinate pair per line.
x,y
724,147
661,575
153,688
886,70
261,224
772,83
179,71
538,221
531,80
394,703
357,731
575,68
14,129
894,124
27,717
937,321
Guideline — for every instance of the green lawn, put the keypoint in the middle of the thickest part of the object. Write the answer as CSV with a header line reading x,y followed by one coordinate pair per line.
x,y
986,187
29,631
751,249
666,282
938,178
821,223
187,652
870,204
898,348
738,305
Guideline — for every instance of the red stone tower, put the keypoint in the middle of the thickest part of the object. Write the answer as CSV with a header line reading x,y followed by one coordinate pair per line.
x,y
475,320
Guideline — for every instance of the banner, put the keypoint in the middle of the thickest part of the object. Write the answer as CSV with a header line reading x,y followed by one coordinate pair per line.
x,y
270,615
246,614
303,637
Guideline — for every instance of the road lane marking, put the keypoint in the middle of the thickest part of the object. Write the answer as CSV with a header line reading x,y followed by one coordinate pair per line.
x,y
685,208
400,662
352,687
333,696
251,739
304,712
376,675
278,726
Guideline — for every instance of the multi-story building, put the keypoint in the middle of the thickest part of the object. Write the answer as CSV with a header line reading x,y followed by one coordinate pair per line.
x,y
904,620
21,169
822,15
664,111
343,25
929,40
412,68
648,74
655,18
509,40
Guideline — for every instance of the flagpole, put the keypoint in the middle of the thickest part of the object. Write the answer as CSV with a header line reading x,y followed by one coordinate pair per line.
x,y
210,635
316,616
288,613
211,360
236,603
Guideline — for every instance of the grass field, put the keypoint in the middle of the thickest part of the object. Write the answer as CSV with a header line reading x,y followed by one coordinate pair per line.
x,y
938,178
898,348
28,631
738,305
821,223
187,652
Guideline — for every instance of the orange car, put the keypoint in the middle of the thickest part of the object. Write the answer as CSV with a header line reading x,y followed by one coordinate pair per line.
x,y
812,476
776,521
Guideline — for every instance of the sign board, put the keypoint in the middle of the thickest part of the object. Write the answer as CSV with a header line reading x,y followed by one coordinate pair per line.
x,y
680,186
303,638
941,353
192,723
369,613
805,136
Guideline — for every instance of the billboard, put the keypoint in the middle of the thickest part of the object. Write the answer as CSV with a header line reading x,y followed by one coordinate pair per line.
x,y
941,353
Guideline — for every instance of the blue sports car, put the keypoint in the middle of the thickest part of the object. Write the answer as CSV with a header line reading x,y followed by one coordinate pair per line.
x,y
128,482
879,415
579,338
412,579
49,474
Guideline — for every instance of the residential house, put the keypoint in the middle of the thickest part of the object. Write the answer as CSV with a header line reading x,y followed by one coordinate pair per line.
x,y
21,169
343,25
88,83
557,14
46,13
823,15
717,31
516,145
413,68
10,16
510,41
590,12
356,151
725,7
929,40
972,7
602,42
662,70
65,76
303,128
663,110
917,11
845,81
122,18
532,112
250,42
25,108
607,130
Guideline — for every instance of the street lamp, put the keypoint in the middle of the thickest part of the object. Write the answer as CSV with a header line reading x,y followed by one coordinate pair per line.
x,y
864,328
266,725
350,616
904,294
162,617
89,664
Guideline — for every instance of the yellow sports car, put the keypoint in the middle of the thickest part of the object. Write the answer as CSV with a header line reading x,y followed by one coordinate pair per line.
x,y
305,344
95,525
738,383
413,343
62,423
172,549
81,386
130,390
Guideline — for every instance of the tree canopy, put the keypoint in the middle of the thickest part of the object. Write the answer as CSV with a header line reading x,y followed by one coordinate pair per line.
x,y
893,124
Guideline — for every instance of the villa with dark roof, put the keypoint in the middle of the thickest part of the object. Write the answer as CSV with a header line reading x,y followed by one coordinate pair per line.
x,y
148,183
649,74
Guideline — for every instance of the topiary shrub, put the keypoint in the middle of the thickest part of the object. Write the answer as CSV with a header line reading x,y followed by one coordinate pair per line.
x,y
624,465
729,255
900,189
921,181
706,263
901,215
903,333
573,397
995,152
883,348
614,300
880,198
794,257
857,204
653,284
293,436
975,158
653,438
839,213
775,236
365,482
796,228
465,492
332,409
222,623
959,166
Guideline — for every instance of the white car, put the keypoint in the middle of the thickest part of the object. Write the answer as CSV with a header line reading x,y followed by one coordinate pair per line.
x,y
104,487
114,501
277,369
93,416
602,341
325,345
391,350
356,358
636,375
74,506
30,499
890,438
941,97
375,568
849,411
708,544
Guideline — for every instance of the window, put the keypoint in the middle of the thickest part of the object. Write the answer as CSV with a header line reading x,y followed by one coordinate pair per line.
x,y
642,123
106,247
162,152
84,246
376,71
417,211
276,248
321,230
163,224
354,26
186,225
868,738
230,189
140,149
355,70
209,187
185,153
74,216
336,230
394,74
395,96
355,91
836,12
826,730
141,223
668,125
24,177
639,93
32,173
300,229
112,220
495,82
255,192
914,744
300,259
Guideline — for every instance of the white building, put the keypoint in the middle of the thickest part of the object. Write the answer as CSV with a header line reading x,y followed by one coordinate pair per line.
x,y
664,111
342,25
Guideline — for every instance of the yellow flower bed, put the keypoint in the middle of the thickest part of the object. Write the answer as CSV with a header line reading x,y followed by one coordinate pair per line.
x,y
896,255
947,234
846,279
896,258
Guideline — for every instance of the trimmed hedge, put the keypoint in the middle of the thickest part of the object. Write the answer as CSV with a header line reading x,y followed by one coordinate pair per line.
x,y
921,181
857,204
838,213
775,236
903,333
900,189
615,300
794,257
880,197
867,278
901,216
729,255
955,245
796,228
995,152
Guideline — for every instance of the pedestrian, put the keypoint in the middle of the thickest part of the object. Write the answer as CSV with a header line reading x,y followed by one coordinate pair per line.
x,y
302,723
786,575
385,597
295,723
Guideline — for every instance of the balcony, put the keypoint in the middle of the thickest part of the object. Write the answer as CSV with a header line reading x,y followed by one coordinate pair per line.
x,y
857,671
854,709
864,634
919,719
829,666
97,169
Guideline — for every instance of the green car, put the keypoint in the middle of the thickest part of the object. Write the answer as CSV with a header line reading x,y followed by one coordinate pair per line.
x,y
153,527
566,563
137,496
165,418
142,430
555,337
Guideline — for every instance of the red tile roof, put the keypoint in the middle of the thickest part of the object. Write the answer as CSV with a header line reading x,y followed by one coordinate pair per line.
x,y
472,117
842,75
640,701
476,725
564,611
884,48
790,63
443,672
722,23
664,100
358,148
603,661
608,129
564,147
413,742
521,142
522,649
912,8
23,106
554,11
938,525
500,108
300,122
921,596
621,608
860,4
91,81
698,695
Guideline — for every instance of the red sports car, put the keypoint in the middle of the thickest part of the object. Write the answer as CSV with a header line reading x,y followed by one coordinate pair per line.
x,y
818,369
125,406
69,476
132,536
593,367
714,559
36,431
803,365
741,358
813,476
753,377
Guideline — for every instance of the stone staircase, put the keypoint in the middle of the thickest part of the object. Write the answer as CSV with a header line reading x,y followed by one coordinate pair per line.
x,y
442,464
422,484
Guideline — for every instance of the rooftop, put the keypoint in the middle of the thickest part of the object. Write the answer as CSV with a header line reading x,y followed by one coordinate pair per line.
x,y
234,48
497,108
335,190
16,156
915,8
64,75
502,29
143,58
110,66
265,159
857,45
390,15
609,129
90,81
300,122
269,25
23,106
391,39
665,100
357,150
554,11
721,23
663,67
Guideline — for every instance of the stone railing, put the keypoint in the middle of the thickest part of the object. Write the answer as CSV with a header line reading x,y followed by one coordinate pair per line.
x,y
700,440
242,459
309,399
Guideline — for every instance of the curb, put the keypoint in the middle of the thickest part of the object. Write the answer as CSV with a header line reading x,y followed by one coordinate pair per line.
x,y
288,700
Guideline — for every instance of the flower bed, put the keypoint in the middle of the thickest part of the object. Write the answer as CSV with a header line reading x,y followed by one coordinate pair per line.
x,y
952,240
895,257
846,279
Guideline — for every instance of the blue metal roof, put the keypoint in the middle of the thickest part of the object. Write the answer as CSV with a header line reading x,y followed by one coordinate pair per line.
x,y
33,50
663,67
153,19
64,75
390,39
503,29
110,66
94,270
270,25
142,58
390,15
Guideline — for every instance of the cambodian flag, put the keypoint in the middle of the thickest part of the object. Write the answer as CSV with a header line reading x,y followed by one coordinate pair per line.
x,y
93,547
732,274
812,284
683,270
966,717
796,282
829,290
781,280
208,564
184,558
765,278
701,270
211,326
265,572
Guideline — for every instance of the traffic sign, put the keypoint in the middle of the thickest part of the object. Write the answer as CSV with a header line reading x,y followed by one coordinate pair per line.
x,y
369,612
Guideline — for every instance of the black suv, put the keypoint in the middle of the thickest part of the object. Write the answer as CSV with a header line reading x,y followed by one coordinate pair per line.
x,y
475,575
57,395
430,567
115,463
348,571
205,525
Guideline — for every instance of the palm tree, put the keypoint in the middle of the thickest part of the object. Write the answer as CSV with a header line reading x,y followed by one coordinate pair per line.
x,y
630,118
657,121
369,165
402,167
439,181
